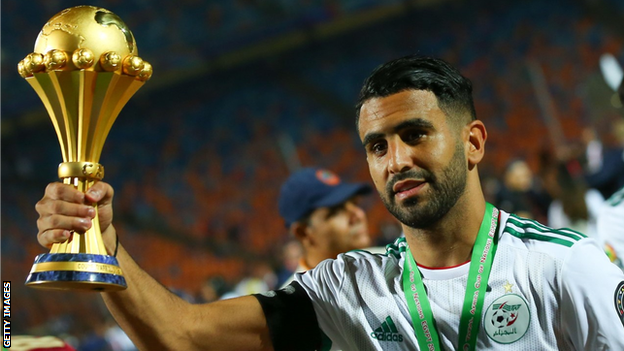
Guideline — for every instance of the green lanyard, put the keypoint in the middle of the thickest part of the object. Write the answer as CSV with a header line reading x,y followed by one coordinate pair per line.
x,y
479,272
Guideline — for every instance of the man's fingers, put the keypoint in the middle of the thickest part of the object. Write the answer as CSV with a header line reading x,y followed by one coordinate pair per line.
x,y
99,191
64,192
47,207
61,222
64,209
50,237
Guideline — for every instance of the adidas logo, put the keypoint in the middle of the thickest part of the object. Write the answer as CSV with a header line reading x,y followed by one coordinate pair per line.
x,y
387,332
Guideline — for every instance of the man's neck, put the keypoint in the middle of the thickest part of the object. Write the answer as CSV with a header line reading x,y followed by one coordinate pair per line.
x,y
448,242
312,258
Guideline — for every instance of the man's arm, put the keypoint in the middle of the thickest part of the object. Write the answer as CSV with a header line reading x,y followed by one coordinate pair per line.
x,y
592,299
152,316
156,319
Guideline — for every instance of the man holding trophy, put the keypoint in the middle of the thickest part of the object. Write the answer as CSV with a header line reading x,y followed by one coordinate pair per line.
x,y
85,68
466,276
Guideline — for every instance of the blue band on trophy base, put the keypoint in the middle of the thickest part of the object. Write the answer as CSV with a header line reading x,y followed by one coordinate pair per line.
x,y
76,271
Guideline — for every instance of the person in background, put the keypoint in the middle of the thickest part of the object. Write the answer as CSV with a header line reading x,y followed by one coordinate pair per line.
x,y
211,290
574,205
517,194
291,257
321,211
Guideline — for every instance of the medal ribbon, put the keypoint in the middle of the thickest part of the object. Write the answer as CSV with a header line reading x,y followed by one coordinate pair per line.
x,y
479,272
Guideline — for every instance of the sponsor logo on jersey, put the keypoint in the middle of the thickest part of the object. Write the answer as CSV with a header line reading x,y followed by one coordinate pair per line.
x,y
507,319
619,301
387,332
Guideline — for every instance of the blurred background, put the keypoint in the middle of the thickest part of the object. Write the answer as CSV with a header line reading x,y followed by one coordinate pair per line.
x,y
245,91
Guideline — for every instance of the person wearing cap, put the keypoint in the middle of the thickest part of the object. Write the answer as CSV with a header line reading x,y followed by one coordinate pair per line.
x,y
322,213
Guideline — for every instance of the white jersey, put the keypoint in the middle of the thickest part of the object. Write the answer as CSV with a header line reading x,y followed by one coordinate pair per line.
x,y
548,290
611,227
301,268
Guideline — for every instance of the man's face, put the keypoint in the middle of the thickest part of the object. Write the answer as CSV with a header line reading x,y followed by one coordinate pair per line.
x,y
340,228
416,159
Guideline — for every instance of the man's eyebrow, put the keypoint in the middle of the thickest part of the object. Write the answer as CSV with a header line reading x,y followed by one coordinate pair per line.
x,y
411,123
370,137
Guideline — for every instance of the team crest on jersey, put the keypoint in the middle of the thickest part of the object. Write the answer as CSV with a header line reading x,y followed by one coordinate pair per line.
x,y
619,301
507,319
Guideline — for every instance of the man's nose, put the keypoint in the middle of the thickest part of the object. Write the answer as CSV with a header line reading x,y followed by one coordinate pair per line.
x,y
399,159
355,211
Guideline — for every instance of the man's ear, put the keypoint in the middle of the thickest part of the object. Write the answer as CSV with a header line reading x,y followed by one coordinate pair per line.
x,y
477,135
299,230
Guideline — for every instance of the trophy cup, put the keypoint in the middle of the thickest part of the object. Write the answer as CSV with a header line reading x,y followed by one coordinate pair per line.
x,y
84,68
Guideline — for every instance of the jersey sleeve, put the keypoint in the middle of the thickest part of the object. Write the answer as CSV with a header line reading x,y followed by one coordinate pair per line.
x,y
324,287
591,302
290,318
611,227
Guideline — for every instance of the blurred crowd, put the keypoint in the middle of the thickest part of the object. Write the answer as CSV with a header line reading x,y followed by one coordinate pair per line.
x,y
197,165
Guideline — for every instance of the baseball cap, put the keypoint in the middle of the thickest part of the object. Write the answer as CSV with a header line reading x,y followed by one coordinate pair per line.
x,y
310,188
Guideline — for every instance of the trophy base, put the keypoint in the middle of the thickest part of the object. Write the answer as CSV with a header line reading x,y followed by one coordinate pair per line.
x,y
65,271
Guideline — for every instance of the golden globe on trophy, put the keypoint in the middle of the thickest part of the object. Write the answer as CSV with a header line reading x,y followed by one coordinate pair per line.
x,y
84,68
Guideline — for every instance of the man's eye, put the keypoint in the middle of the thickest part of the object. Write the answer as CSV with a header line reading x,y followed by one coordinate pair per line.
x,y
334,210
378,148
413,136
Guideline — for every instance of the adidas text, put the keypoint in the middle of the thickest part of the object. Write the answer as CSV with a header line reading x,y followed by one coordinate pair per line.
x,y
381,336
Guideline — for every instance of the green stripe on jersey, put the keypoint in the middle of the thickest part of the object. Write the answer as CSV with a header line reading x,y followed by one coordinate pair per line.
x,y
616,199
524,228
397,247
529,223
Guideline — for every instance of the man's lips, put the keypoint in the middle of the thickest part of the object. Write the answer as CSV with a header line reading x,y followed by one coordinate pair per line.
x,y
407,188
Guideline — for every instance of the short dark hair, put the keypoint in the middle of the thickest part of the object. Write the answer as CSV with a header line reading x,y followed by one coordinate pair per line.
x,y
416,72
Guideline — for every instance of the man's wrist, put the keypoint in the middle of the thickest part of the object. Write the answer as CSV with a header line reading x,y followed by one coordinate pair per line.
x,y
111,241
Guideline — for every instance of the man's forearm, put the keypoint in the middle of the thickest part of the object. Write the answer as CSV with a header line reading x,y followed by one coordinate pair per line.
x,y
150,314
156,319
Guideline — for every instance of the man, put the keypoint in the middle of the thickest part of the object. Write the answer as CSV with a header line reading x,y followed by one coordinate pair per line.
x,y
516,194
610,222
323,214
610,225
485,279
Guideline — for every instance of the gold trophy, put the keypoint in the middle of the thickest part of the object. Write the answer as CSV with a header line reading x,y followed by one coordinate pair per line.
x,y
84,68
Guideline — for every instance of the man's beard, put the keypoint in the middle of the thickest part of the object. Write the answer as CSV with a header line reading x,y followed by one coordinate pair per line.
x,y
444,192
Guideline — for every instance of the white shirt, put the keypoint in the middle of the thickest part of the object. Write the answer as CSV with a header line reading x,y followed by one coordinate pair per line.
x,y
611,226
302,267
561,281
